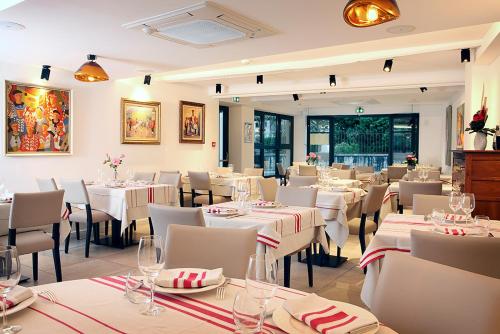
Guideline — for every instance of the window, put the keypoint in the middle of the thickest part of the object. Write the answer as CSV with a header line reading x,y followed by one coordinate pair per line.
x,y
273,141
373,140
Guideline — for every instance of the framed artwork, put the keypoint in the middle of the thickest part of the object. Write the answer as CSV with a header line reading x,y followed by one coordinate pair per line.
x,y
140,122
248,132
38,120
191,122
460,126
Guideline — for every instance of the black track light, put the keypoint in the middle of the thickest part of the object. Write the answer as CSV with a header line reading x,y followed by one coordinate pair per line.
x,y
218,88
147,79
295,97
45,72
423,89
333,80
465,55
388,65
260,79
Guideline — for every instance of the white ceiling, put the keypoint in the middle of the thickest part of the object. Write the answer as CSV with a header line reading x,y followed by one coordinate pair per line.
x,y
61,32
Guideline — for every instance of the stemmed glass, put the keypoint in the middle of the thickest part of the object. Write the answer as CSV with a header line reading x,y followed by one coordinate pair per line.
x,y
242,188
455,202
261,282
468,205
151,260
10,273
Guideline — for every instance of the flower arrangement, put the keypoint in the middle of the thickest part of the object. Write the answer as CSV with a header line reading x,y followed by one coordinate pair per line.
x,y
411,160
477,125
114,163
312,158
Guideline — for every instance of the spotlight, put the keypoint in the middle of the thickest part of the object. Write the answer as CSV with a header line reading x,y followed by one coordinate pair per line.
x,y
423,89
260,79
465,55
333,80
295,97
218,88
45,72
147,79
388,65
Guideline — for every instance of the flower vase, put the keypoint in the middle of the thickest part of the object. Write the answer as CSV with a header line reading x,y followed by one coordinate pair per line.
x,y
411,167
480,141
115,175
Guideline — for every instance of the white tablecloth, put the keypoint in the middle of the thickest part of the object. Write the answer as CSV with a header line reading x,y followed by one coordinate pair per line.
x,y
98,305
225,185
393,235
281,231
131,203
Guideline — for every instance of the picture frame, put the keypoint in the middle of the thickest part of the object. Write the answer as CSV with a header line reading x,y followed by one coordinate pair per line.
x,y
191,122
140,122
38,120
460,126
248,132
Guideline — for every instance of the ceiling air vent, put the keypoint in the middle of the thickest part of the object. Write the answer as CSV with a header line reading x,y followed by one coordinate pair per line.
x,y
202,25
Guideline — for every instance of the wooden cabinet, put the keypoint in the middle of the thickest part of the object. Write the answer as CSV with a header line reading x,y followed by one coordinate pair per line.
x,y
478,172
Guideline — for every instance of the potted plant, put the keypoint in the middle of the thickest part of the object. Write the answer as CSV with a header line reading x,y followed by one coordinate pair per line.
x,y
312,158
114,163
477,126
411,161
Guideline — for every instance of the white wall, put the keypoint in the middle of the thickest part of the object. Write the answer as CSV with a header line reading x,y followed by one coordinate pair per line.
x,y
96,130
240,153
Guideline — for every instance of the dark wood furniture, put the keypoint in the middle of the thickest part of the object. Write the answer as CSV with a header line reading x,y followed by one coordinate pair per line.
x,y
478,172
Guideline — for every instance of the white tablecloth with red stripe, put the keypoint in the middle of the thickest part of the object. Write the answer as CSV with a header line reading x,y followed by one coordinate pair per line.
x,y
131,203
225,185
281,231
98,306
393,235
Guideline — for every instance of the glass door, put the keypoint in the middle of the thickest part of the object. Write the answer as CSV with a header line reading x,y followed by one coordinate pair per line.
x,y
405,138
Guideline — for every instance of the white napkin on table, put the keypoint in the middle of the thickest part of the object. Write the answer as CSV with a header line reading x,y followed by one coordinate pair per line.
x,y
17,295
325,317
185,279
460,231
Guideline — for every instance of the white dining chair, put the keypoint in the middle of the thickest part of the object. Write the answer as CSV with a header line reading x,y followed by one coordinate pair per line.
x,y
163,216
267,189
344,174
175,178
201,190
253,171
407,189
46,184
395,173
364,169
144,176
302,181
224,170
424,204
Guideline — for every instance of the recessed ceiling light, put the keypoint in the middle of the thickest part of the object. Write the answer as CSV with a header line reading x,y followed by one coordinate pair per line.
x,y
402,29
8,25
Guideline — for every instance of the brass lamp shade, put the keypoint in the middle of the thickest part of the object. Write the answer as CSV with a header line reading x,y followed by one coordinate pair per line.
x,y
366,13
91,71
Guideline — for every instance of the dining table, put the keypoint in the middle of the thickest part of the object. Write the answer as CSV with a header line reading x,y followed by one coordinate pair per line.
x,y
226,184
99,305
393,234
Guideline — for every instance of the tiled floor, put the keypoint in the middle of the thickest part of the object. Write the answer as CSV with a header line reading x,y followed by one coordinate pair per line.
x,y
342,283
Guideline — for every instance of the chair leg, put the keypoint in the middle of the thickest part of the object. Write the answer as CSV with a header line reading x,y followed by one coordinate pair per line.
x,y
87,239
299,256
339,250
151,228
77,226
400,209
34,257
106,228
97,232
133,225
57,263
309,266
287,261
66,242
130,234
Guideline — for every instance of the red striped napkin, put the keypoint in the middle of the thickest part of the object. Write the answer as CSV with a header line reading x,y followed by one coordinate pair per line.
x,y
325,317
264,203
189,278
460,231
221,211
458,218
17,295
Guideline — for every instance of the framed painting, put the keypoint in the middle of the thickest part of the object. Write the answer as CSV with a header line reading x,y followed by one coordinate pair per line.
x,y
38,120
460,126
140,122
191,122
248,132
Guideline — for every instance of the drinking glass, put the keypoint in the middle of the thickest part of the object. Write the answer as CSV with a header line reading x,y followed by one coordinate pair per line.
x,y
246,313
425,173
483,222
151,260
437,216
421,174
261,282
242,188
467,205
130,174
454,201
10,273
133,290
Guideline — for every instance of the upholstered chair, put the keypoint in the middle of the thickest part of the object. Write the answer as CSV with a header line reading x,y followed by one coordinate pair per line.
x,y
253,171
305,170
396,173
409,188
144,176
302,181
175,178
267,189
163,216
201,190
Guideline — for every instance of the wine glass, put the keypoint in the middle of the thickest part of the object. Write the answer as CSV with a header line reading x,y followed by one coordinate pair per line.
x,y
261,282
130,175
454,201
467,205
10,273
425,173
151,260
246,313
242,188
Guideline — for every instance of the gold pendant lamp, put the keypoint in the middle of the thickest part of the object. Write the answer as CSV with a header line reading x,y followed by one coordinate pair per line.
x,y
367,13
91,71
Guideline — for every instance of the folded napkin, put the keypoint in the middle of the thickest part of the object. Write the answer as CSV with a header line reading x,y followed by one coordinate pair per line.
x,y
458,218
17,295
264,203
325,317
185,279
221,210
459,231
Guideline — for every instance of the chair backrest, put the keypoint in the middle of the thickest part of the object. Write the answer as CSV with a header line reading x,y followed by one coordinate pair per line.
x,y
337,165
293,196
409,188
364,169
268,188
170,177
199,180
434,175
210,248
46,184
144,176
415,296
347,174
302,181
224,170
307,170
36,209
75,192
281,169
478,255
412,175
253,171
396,172
423,204
163,215
372,202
